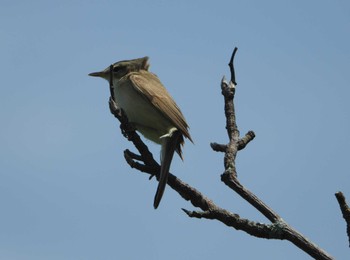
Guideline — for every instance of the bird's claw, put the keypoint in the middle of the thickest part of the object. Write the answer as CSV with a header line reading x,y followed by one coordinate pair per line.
x,y
113,107
152,175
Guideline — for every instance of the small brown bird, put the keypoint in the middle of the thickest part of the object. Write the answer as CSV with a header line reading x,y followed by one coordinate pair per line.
x,y
150,108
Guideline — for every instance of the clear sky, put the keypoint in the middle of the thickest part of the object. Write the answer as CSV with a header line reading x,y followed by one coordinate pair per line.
x,y
66,191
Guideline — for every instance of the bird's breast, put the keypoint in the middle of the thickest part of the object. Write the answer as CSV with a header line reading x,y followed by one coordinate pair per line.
x,y
141,112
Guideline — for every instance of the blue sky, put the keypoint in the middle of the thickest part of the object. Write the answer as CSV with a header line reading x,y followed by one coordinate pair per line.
x,y
65,189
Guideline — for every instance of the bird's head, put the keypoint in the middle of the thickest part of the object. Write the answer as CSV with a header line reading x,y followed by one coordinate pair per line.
x,y
121,68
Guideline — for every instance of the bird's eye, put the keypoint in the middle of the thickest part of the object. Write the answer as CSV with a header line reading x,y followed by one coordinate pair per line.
x,y
116,69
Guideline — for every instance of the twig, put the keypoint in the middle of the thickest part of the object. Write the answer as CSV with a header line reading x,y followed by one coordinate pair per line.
x,y
243,142
218,147
232,68
345,211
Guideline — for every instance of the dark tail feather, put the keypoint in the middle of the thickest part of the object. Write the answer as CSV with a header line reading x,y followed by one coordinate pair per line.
x,y
168,148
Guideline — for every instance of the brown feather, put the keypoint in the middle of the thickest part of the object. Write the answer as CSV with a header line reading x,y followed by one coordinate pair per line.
x,y
150,87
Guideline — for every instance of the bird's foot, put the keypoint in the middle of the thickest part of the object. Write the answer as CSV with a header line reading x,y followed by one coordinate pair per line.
x,y
113,107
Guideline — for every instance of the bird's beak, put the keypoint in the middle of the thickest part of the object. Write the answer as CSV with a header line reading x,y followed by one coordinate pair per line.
x,y
100,74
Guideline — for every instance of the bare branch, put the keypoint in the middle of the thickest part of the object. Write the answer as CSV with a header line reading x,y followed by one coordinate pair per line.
x,y
232,68
278,229
130,159
218,147
242,143
132,155
229,177
233,220
234,184
345,211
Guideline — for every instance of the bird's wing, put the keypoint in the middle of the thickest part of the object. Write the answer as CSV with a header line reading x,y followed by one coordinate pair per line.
x,y
151,88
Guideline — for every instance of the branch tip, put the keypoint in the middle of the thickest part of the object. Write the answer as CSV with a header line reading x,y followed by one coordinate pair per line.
x,y
345,211
186,211
232,68
242,143
218,147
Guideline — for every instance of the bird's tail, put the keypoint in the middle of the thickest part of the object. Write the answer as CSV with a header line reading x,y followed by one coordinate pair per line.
x,y
170,143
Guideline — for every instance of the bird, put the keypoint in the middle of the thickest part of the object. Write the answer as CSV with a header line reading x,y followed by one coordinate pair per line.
x,y
150,109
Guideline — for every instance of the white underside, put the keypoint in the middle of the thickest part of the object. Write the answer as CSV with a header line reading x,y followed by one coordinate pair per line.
x,y
146,118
